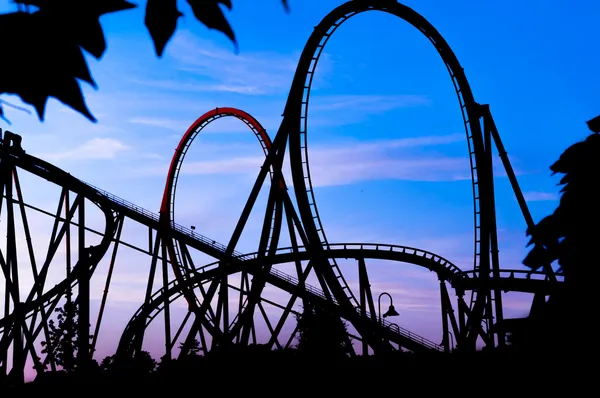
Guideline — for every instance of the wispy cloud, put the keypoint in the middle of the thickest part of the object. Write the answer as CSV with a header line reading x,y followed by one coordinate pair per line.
x,y
325,112
224,125
94,149
212,68
353,162
537,196
369,103
377,160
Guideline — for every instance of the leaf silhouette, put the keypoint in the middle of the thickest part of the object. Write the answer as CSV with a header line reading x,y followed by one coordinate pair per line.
x,y
210,14
43,53
91,38
226,3
80,19
44,63
70,7
69,93
161,21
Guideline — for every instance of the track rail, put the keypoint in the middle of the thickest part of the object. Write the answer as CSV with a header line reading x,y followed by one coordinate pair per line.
x,y
444,268
55,175
167,208
296,115
525,281
277,278
58,176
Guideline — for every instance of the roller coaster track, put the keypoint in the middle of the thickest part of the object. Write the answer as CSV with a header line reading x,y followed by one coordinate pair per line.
x,y
297,108
105,199
310,251
57,176
148,312
479,143
517,280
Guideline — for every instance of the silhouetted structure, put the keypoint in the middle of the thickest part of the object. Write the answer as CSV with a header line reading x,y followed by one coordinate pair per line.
x,y
594,124
170,245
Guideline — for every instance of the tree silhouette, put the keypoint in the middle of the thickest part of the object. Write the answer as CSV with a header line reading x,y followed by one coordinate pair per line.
x,y
570,233
569,236
62,343
321,333
141,364
44,41
194,349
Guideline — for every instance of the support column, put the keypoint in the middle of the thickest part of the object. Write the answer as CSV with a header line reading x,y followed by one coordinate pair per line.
x,y
445,330
83,299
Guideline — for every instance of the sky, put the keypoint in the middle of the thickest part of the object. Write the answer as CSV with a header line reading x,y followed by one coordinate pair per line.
x,y
387,146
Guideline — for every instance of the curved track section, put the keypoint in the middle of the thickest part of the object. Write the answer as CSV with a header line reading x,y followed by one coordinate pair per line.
x,y
444,269
167,208
13,327
296,113
107,203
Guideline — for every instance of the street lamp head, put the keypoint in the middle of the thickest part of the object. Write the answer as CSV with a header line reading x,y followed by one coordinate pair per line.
x,y
391,312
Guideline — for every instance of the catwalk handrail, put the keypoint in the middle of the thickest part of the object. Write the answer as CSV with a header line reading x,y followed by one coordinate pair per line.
x,y
392,327
147,213
372,246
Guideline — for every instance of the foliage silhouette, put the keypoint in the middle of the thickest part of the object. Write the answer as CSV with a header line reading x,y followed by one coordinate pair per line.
x,y
321,333
569,236
194,349
141,364
44,56
565,235
61,346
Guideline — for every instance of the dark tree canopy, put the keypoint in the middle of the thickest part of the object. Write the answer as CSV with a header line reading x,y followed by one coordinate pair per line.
x,y
322,333
44,41
61,346
570,236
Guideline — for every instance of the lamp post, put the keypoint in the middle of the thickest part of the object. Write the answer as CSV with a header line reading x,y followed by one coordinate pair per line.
x,y
390,312
193,228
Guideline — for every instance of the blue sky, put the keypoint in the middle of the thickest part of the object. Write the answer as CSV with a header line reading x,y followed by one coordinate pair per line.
x,y
387,146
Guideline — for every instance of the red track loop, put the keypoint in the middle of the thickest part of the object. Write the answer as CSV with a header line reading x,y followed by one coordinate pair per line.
x,y
167,208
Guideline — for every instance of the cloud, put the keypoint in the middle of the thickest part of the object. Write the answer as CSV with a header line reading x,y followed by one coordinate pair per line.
x,y
94,149
165,123
384,159
240,165
212,68
331,172
223,125
353,162
369,103
537,196
324,111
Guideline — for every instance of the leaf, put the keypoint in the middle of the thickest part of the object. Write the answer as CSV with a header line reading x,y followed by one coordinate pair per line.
x,y
70,7
210,14
71,56
43,63
69,93
161,21
91,38
286,5
80,19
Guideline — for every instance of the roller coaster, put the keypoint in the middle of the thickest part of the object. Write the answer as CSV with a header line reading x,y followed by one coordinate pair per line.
x,y
208,290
